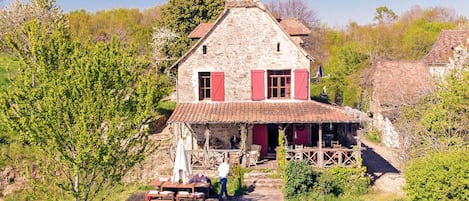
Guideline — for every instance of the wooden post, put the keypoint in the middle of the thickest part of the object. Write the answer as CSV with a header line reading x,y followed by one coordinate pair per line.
x,y
206,144
243,147
320,152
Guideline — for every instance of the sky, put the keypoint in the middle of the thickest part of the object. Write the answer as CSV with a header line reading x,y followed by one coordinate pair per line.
x,y
335,13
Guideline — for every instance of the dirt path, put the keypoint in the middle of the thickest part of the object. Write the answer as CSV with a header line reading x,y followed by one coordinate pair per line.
x,y
384,168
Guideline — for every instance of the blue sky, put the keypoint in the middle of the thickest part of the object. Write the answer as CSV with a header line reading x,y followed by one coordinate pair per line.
x,y
335,13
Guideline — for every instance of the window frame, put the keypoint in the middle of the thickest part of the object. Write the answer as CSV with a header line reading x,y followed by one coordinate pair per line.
x,y
279,84
205,88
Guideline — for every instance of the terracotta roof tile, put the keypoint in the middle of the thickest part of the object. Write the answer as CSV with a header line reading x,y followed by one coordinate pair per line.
x,y
442,48
294,27
260,112
201,30
396,83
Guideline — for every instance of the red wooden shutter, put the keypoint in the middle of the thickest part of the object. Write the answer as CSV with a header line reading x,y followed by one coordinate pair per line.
x,y
257,85
301,84
218,86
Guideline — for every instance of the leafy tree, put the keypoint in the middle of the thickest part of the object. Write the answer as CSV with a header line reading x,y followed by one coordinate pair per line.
x,y
124,24
439,176
181,17
18,12
85,106
385,15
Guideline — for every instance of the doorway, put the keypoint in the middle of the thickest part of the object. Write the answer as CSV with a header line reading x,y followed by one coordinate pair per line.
x,y
272,137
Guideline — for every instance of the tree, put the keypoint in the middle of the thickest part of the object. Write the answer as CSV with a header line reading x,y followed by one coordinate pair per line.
x,y
18,12
385,15
181,17
294,9
439,176
85,106
124,24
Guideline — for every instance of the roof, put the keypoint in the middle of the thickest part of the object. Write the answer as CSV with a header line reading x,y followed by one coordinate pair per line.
x,y
260,112
294,27
291,25
442,48
201,30
397,83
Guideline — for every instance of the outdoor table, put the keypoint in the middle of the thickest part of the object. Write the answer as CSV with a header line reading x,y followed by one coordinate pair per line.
x,y
177,186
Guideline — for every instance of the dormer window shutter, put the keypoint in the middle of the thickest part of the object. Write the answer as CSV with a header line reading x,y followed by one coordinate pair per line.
x,y
301,84
218,86
257,85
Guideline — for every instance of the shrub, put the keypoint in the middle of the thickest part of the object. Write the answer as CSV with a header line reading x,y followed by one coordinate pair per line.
x,y
374,136
299,178
343,181
439,176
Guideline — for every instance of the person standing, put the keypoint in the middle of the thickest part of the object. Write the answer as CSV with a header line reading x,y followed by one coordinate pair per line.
x,y
223,171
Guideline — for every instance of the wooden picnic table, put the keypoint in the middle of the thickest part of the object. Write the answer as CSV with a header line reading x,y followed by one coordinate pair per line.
x,y
167,185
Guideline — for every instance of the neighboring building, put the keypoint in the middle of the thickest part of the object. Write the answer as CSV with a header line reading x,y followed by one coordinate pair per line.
x,y
391,85
444,49
245,82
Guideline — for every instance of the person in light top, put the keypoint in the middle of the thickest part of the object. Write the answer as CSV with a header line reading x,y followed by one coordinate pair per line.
x,y
223,171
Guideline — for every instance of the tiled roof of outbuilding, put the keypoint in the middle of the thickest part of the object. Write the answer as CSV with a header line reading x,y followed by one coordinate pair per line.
x,y
294,27
396,83
442,48
201,30
261,112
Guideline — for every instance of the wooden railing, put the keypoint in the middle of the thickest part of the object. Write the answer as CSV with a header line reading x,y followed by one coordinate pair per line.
x,y
326,157
210,159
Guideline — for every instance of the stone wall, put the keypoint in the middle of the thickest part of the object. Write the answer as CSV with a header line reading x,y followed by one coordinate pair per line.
x,y
244,39
389,137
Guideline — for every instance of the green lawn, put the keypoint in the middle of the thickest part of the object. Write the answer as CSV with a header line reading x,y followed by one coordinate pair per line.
x,y
8,65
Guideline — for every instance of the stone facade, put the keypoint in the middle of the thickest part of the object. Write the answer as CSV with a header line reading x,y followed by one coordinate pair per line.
x,y
243,39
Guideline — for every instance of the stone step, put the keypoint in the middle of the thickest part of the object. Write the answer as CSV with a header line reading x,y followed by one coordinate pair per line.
x,y
262,180
264,183
256,174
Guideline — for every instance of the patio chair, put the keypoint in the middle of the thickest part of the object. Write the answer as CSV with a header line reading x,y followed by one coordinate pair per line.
x,y
254,154
299,151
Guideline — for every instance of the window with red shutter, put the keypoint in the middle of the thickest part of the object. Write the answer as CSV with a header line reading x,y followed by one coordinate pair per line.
x,y
218,86
257,85
301,84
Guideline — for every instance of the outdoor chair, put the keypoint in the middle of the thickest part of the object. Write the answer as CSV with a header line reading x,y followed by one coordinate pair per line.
x,y
254,154
298,152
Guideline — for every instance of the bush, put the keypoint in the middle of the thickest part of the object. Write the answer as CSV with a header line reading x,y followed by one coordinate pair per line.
x,y
299,178
374,136
341,181
439,176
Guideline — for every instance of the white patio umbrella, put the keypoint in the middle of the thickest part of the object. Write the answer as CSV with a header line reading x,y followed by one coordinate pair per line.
x,y
182,168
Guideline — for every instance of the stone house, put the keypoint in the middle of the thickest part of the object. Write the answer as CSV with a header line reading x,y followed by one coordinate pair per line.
x,y
440,58
245,82
391,85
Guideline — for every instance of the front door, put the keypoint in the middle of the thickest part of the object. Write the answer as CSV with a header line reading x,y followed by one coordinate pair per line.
x,y
272,137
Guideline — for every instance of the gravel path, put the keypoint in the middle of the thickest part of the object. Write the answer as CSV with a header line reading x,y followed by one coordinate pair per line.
x,y
384,168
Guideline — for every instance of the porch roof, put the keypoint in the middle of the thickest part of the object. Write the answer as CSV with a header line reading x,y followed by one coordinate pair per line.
x,y
261,112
